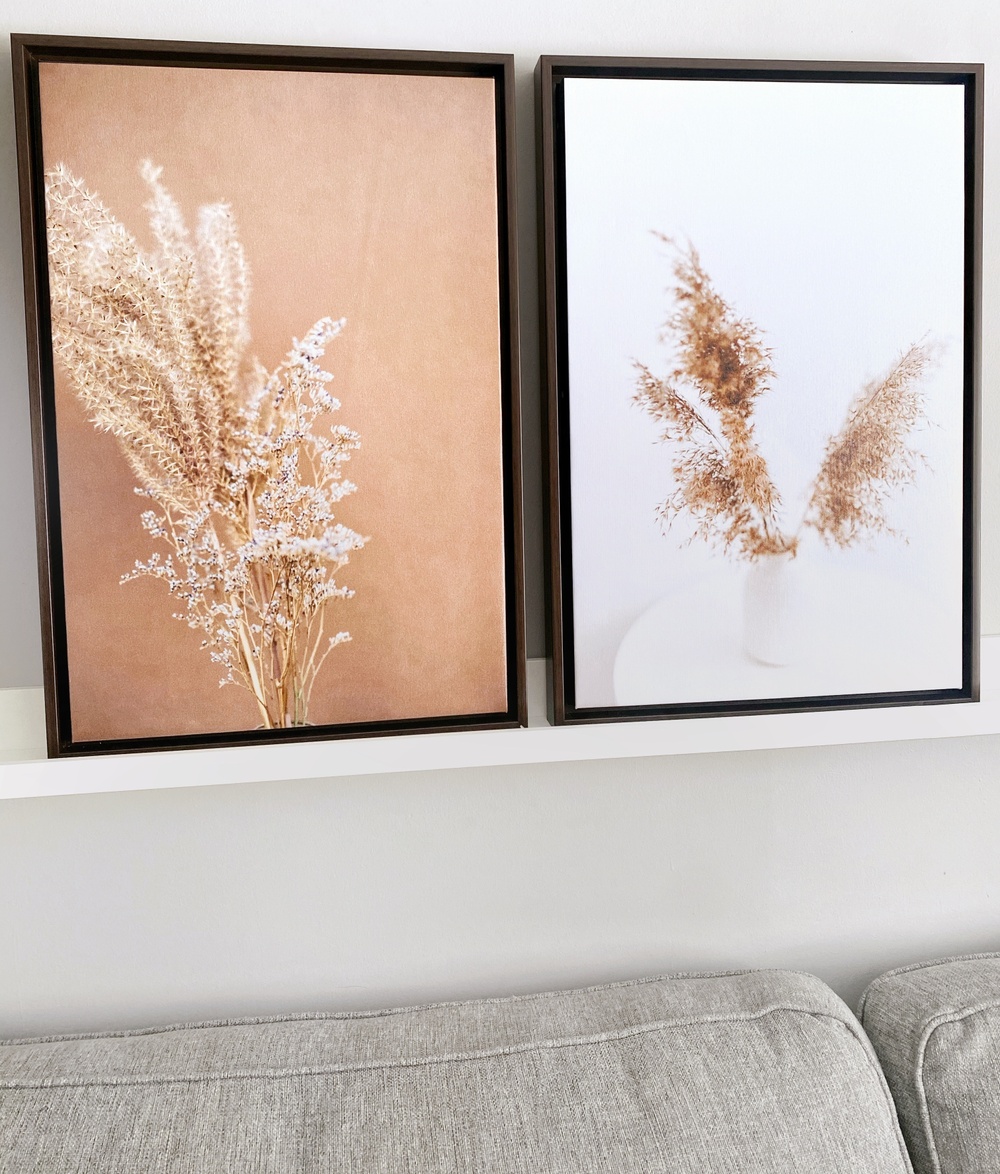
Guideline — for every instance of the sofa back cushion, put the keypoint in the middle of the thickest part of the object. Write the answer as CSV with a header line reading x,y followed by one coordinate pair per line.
x,y
936,1028
718,1074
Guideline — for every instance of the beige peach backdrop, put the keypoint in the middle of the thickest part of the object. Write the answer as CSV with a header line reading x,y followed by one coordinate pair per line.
x,y
369,197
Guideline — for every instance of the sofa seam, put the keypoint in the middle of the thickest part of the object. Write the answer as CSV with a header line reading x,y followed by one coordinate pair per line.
x,y
941,1020
387,1012
928,965
862,1040
14,1085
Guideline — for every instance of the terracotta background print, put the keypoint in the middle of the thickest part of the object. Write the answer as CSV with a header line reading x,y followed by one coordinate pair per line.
x,y
360,196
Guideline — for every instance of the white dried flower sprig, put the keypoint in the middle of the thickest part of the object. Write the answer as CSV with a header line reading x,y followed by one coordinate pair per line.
x,y
235,459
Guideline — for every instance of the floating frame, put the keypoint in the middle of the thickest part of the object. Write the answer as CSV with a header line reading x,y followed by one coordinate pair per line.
x,y
646,624
392,169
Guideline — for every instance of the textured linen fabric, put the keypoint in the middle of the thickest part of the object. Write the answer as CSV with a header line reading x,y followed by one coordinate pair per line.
x,y
936,1028
762,1071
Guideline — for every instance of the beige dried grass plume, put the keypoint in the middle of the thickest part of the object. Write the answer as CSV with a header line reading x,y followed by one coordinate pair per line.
x,y
236,461
705,408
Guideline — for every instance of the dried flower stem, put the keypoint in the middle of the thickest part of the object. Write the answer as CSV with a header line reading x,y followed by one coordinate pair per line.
x,y
243,479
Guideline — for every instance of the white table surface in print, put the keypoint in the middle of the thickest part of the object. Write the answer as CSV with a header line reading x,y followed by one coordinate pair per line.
x,y
848,630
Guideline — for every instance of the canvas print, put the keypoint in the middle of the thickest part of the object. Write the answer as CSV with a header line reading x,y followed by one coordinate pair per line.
x,y
767,391
277,381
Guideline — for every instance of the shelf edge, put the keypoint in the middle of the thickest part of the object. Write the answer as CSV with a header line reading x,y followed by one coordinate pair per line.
x,y
25,773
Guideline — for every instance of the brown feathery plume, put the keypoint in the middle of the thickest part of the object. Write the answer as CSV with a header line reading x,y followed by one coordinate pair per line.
x,y
243,479
722,479
870,456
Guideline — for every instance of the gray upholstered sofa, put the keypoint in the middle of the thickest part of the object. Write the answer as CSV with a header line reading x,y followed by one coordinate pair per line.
x,y
936,1029
760,1071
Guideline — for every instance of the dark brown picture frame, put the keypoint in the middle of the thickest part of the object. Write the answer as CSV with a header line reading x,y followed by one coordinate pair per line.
x,y
31,52
551,75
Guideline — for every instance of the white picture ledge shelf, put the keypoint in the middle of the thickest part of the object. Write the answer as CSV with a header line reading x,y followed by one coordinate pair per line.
x,y
26,773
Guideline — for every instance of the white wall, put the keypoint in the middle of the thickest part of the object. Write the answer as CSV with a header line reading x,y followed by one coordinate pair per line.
x,y
151,907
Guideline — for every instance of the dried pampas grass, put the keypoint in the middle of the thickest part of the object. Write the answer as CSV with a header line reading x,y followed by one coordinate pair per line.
x,y
705,409
871,455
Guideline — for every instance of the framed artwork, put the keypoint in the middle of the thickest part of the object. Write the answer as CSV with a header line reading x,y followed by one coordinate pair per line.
x,y
273,360
762,349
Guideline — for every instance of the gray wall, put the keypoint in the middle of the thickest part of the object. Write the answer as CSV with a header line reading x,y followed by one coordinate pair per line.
x,y
149,907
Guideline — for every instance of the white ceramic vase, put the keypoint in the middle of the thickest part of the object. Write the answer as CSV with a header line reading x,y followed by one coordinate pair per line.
x,y
773,609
